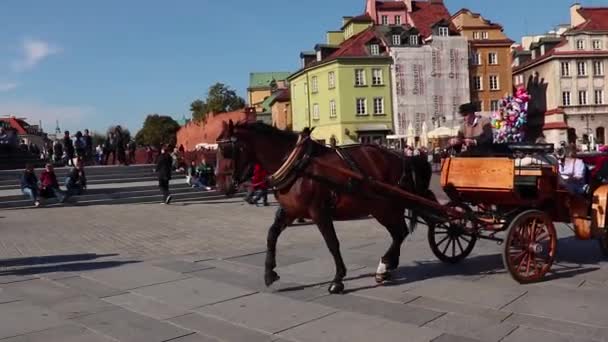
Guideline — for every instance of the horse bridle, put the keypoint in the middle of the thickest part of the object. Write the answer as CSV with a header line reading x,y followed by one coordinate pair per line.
x,y
234,156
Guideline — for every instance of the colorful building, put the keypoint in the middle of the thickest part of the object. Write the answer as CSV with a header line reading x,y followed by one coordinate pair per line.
x,y
490,63
261,86
280,107
343,88
565,73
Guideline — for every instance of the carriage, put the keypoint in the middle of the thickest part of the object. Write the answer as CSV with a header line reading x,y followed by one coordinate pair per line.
x,y
517,194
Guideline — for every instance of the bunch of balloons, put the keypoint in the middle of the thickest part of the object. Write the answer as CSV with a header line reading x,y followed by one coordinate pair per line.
x,y
509,121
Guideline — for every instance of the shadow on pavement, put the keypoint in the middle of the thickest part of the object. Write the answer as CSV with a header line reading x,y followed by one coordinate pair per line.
x,y
52,259
58,263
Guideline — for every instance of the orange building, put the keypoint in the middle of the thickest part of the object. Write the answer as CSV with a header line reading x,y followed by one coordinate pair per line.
x,y
490,59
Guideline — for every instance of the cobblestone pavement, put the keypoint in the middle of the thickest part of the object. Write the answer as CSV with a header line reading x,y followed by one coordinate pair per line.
x,y
193,272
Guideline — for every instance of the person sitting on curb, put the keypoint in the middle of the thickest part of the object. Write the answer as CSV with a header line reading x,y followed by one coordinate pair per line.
x,y
49,187
29,184
76,182
205,174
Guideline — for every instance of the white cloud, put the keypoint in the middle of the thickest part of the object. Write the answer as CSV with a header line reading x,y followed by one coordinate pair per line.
x,y
70,117
7,86
34,51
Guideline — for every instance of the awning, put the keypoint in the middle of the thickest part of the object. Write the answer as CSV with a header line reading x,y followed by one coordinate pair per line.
x,y
372,128
441,132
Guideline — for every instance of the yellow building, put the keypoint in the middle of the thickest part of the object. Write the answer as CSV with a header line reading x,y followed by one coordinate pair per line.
x,y
262,85
490,66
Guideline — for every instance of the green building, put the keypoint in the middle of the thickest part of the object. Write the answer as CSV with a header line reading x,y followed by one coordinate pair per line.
x,y
344,86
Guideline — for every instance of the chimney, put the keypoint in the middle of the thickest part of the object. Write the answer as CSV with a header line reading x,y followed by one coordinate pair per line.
x,y
575,17
370,9
408,3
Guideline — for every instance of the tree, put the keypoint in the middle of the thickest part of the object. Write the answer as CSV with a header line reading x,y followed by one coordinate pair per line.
x,y
220,99
158,130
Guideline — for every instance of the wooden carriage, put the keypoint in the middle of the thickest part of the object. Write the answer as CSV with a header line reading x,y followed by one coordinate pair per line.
x,y
519,194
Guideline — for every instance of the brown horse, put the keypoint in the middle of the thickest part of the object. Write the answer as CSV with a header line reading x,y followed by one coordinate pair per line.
x,y
322,195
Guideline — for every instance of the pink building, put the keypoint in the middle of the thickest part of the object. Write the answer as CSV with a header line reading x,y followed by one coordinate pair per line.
x,y
395,12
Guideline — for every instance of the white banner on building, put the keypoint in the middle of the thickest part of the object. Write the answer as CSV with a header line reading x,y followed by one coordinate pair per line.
x,y
430,83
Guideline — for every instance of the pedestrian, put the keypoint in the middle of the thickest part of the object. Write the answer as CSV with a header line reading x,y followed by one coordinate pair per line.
x,y
163,167
76,182
110,148
205,174
68,148
259,186
80,146
49,187
29,184
57,151
88,141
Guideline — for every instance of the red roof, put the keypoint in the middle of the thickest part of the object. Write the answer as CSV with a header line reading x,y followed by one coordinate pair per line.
x,y
284,95
545,56
555,125
354,46
554,111
390,5
596,19
18,124
425,14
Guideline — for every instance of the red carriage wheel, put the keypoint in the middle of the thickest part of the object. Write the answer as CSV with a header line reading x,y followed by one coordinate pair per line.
x,y
530,246
452,242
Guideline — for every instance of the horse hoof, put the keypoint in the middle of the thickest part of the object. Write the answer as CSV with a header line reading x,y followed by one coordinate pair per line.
x,y
336,288
381,278
271,277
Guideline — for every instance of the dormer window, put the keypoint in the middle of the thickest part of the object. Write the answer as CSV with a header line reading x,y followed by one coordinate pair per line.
x,y
397,20
580,44
414,40
374,49
485,35
319,56
444,31
385,20
396,39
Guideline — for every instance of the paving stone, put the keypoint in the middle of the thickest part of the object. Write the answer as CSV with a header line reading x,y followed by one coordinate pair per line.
x,y
222,330
454,338
19,318
246,280
366,286
299,292
79,306
473,327
58,275
395,312
352,327
317,270
195,338
567,328
40,291
133,276
8,297
125,325
146,306
466,309
89,287
182,266
280,313
534,335
259,259
7,278
468,292
193,292
64,333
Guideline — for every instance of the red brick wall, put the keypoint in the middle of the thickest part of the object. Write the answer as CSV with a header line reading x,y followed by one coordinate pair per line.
x,y
195,133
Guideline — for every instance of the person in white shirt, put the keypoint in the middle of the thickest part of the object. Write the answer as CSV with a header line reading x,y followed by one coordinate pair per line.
x,y
572,172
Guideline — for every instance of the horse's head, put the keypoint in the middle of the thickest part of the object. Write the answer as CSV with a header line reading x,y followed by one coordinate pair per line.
x,y
235,158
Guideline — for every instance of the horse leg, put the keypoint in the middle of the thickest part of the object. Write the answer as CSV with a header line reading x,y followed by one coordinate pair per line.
x,y
327,229
397,228
280,223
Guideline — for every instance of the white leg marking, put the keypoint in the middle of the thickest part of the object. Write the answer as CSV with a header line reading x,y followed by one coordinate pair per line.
x,y
381,268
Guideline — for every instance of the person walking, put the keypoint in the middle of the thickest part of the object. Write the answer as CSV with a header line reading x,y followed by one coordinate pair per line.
x,y
68,148
259,186
29,184
109,148
88,141
163,168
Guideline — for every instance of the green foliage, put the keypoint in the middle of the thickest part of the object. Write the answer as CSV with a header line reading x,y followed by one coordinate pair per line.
x,y
220,99
158,130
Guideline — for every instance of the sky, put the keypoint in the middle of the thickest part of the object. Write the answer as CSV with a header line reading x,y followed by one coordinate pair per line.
x,y
92,64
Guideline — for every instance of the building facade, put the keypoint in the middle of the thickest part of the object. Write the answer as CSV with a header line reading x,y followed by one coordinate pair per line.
x,y
280,107
565,74
262,85
490,59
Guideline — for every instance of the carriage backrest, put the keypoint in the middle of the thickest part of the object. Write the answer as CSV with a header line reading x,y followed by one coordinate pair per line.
x,y
479,173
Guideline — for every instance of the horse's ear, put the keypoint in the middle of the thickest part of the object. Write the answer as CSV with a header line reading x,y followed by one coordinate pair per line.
x,y
312,129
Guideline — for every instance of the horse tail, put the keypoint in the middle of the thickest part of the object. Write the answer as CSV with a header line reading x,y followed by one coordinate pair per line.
x,y
418,173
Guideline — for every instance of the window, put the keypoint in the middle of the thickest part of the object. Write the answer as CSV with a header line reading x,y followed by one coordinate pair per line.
x,y
374,49
599,97
397,20
565,69
485,35
331,80
414,40
443,31
477,83
476,35
600,135
314,84
476,58
598,68
396,39
597,44
581,68
377,77
493,58
494,82
566,98
580,44
361,106
315,111
333,112
359,77
385,20
378,106
582,97
494,105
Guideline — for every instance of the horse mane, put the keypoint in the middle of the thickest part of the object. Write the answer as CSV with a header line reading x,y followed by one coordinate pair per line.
x,y
265,129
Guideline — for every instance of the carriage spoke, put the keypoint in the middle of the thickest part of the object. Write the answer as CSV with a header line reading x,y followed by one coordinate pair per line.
x,y
460,245
442,240
465,238
454,247
542,237
530,256
446,247
521,263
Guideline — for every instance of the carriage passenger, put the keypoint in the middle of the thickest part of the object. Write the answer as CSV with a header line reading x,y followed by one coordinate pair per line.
x,y
572,172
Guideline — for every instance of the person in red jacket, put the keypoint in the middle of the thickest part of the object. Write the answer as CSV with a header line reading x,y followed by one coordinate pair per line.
x,y
259,186
49,187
